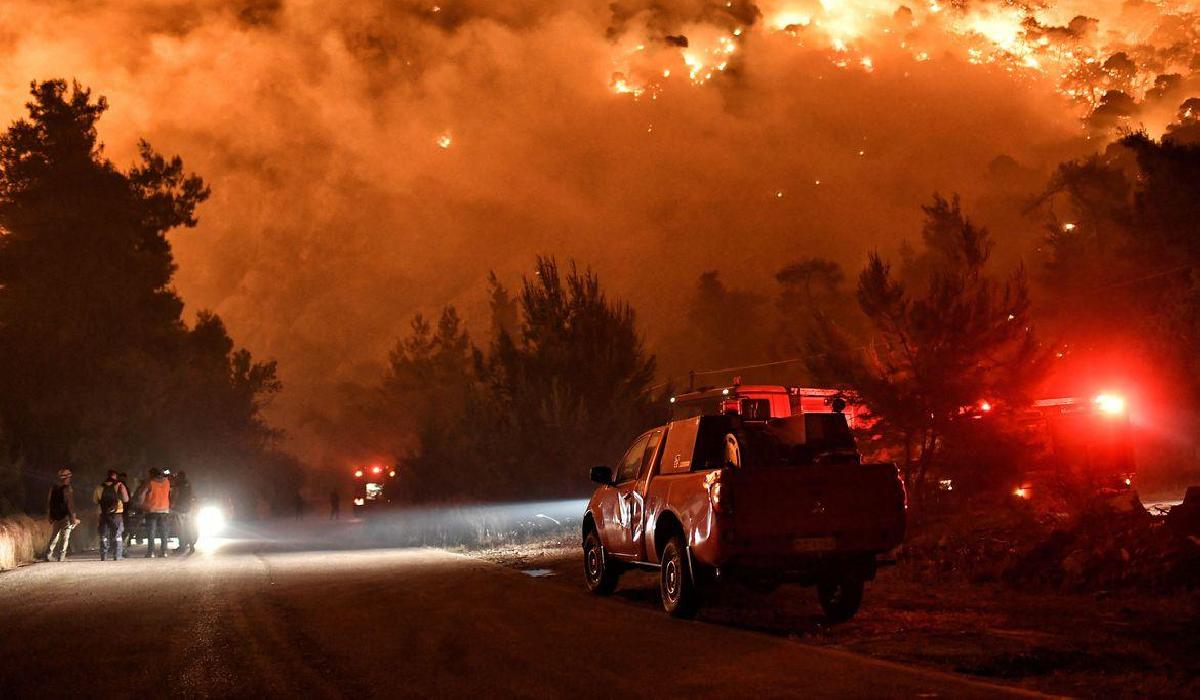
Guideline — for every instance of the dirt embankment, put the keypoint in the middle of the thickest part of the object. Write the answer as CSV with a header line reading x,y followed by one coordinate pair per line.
x,y
20,539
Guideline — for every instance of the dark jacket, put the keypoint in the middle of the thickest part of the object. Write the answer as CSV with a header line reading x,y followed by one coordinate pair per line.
x,y
182,497
61,503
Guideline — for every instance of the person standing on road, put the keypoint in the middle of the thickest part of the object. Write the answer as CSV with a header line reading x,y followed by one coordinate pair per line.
x,y
112,497
60,508
335,505
183,501
137,521
127,511
156,510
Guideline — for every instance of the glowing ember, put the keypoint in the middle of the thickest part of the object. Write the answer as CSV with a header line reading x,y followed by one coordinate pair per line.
x,y
622,86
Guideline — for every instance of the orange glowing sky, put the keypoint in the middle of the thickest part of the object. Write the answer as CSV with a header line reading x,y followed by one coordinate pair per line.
x,y
371,159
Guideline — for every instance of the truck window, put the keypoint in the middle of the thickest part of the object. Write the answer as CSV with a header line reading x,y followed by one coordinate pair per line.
x,y
799,440
631,463
710,443
651,452
696,407
756,409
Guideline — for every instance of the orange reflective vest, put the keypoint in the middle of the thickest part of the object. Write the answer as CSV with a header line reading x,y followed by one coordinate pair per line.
x,y
158,496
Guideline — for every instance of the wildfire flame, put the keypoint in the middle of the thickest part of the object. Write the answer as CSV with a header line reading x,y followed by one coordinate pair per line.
x,y
1089,59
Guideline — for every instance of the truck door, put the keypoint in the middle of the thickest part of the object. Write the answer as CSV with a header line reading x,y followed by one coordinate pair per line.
x,y
631,479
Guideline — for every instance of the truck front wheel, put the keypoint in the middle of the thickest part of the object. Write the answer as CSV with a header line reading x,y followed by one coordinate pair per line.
x,y
680,597
600,574
840,595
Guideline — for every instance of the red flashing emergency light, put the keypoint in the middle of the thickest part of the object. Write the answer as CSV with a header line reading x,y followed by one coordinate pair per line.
x,y
1112,404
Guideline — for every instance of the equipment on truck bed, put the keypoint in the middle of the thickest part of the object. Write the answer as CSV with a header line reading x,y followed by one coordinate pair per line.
x,y
759,402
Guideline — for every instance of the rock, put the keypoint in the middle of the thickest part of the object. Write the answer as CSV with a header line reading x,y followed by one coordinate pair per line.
x,y
1184,519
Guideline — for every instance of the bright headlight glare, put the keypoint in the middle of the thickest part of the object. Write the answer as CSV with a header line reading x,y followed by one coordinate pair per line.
x,y
210,521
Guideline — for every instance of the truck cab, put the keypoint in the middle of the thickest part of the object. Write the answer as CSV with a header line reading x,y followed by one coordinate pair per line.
x,y
744,496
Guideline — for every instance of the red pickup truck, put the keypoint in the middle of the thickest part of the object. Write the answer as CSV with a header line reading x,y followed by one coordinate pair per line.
x,y
718,497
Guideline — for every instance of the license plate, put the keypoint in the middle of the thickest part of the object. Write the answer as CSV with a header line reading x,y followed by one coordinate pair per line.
x,y
814,544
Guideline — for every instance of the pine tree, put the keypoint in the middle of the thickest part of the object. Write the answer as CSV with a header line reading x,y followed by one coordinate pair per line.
x,y
935,353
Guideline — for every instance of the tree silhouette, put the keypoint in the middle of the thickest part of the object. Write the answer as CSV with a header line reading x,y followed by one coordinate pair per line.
x,y
562,386
935,353
99,368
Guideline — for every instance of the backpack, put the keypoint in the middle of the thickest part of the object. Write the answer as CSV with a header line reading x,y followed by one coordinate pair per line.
x,y
110,501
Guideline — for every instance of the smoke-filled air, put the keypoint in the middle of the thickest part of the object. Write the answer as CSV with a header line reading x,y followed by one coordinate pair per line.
x,y
375,159
421,348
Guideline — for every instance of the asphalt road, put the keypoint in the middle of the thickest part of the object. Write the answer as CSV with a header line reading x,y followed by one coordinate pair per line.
x,y
269,618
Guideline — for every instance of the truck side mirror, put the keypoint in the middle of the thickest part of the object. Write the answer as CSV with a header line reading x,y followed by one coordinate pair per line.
x,y
602,475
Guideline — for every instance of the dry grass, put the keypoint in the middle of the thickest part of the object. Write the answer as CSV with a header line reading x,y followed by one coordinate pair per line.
x,y
21,538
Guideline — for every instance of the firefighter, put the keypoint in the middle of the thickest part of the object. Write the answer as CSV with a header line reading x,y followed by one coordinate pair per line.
x,y
183,501
156,511
127,511
112,497
60,508
135,521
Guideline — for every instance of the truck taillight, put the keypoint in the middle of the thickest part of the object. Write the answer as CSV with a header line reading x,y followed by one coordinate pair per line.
x,y
718,492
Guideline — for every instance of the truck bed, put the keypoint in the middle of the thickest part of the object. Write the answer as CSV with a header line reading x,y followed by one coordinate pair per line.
x,y
793,513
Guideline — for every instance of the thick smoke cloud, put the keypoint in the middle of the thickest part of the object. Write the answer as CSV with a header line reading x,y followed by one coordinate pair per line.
x,y
371,159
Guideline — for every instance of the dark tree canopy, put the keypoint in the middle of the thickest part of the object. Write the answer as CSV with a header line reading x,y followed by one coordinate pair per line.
x,y
1124,242
938,344
561,387
99,369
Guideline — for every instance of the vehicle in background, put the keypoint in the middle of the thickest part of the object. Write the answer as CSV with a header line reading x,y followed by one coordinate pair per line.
x,y
741,497
1083,445
373,487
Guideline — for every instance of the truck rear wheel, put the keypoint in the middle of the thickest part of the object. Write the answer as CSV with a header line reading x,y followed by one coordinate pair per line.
x,y
840,596
600,574
680,596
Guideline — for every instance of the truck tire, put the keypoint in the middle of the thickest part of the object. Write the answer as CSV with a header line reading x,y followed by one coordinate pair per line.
x,y
599,573
840,596
677,585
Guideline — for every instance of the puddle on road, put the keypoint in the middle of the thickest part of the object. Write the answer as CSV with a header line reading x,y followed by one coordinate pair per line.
x,y
537,573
